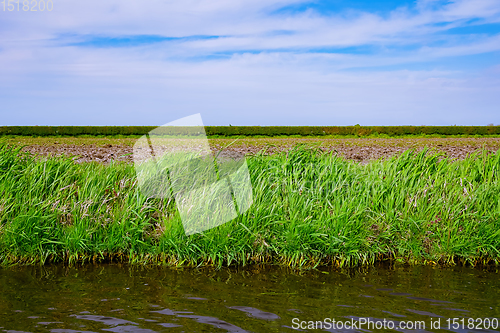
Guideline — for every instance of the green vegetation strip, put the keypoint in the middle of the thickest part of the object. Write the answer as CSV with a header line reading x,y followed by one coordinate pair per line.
x,y
309,208
216,131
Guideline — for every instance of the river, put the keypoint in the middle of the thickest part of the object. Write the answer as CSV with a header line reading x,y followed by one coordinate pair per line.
x,y
122,298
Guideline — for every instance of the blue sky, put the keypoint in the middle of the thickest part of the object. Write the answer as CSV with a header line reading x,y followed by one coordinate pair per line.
x,y
259,62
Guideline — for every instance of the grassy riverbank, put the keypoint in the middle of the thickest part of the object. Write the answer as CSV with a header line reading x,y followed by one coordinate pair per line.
x,y
309,208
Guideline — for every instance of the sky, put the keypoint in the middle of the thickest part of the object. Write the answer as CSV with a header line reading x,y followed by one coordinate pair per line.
x,y
250,62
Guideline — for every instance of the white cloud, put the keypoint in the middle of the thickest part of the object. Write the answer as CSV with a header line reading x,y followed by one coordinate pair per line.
x,y
280,83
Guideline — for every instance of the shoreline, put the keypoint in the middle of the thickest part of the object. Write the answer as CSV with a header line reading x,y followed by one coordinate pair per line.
x,y
154,260
309,208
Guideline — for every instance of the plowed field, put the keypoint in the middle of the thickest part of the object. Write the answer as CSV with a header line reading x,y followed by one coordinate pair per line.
x,y
358,149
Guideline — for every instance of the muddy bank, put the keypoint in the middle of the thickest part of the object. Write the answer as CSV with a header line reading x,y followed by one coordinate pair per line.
x,y
352,150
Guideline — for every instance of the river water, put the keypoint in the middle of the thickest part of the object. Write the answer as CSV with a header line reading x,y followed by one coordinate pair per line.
x,y
121,298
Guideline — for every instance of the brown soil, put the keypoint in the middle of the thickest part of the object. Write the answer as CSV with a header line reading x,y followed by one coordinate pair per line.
x,y
361,150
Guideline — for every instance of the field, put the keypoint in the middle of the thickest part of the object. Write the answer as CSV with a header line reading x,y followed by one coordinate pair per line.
x,y
104,149
411,201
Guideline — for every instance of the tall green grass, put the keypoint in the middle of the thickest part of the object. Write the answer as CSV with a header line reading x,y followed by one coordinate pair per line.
x,y
309,208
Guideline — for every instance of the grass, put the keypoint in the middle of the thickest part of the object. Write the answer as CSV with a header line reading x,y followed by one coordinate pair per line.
x,y
310,208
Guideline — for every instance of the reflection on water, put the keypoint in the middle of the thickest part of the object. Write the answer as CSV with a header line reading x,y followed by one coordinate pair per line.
x,y
115,298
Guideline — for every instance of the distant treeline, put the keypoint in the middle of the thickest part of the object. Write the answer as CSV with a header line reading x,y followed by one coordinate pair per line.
x,y
251,130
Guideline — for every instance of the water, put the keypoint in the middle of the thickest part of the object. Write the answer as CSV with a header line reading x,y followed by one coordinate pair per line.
x,y
115,298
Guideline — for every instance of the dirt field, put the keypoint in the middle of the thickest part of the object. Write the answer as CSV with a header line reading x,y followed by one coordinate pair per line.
x,y
358,149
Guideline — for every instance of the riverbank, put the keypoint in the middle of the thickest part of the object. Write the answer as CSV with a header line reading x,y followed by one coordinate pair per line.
x,y
309,208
